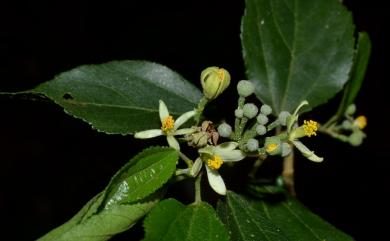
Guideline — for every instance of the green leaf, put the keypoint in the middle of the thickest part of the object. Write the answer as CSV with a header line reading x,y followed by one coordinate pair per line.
x,y
86,211
298,222
121,97
142,175
116,209
172,221
103,225
246,223
297,50
352,88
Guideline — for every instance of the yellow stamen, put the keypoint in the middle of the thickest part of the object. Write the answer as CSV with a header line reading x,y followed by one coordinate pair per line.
x,y
271,147
167,124
360,122
310,127
215,162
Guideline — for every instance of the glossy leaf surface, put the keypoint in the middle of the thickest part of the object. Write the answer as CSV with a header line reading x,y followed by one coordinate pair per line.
x,y
297,50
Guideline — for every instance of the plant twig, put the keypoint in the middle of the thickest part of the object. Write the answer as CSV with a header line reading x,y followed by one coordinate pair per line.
x,y
288,172
256,166
198,196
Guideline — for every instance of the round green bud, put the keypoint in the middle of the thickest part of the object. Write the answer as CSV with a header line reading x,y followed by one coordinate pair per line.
x,y
239,113
266,109
283,117
346,124
224,130
356,138
351,109
214,81
286,149
250,110
262,119
252,145
245,88
261,130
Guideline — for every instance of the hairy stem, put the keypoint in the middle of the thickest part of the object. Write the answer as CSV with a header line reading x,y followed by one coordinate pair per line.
x,y
198,196
332,120
199,110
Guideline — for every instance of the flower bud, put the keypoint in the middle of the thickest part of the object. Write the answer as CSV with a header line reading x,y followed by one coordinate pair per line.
x,y
351,109
346,124
224,130
266,109
252,145
214,81
239,113
245,88
261,130
356,138
250,110
262,119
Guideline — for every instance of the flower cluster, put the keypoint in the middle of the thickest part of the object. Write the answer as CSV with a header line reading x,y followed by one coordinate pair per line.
x,y
252,134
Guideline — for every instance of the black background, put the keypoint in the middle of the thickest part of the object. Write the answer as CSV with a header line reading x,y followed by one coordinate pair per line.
x,y
51,164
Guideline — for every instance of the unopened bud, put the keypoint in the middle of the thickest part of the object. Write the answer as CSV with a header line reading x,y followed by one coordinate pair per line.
x,y
266,109
252,145
245,88
224,130
250,110
239,113
214,81
356,138
261,130
262,119
351,109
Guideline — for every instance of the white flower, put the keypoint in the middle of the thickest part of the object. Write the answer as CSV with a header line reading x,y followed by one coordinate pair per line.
x,y
214,157
169,127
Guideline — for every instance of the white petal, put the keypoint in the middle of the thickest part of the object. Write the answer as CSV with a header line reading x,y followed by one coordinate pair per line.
x,y
183,119
184,131
196,167
231,145
163,111
306,152
232,156
227,153
148,134
172,142
216,181
206,150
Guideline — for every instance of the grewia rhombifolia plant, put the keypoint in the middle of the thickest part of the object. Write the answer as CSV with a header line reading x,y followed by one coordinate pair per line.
x,y
298,54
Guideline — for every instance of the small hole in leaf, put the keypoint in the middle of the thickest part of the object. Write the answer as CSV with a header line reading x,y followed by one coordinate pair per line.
x,y
67,96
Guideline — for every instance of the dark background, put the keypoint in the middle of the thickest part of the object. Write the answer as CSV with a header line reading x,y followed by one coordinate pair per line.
x,y
52,164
